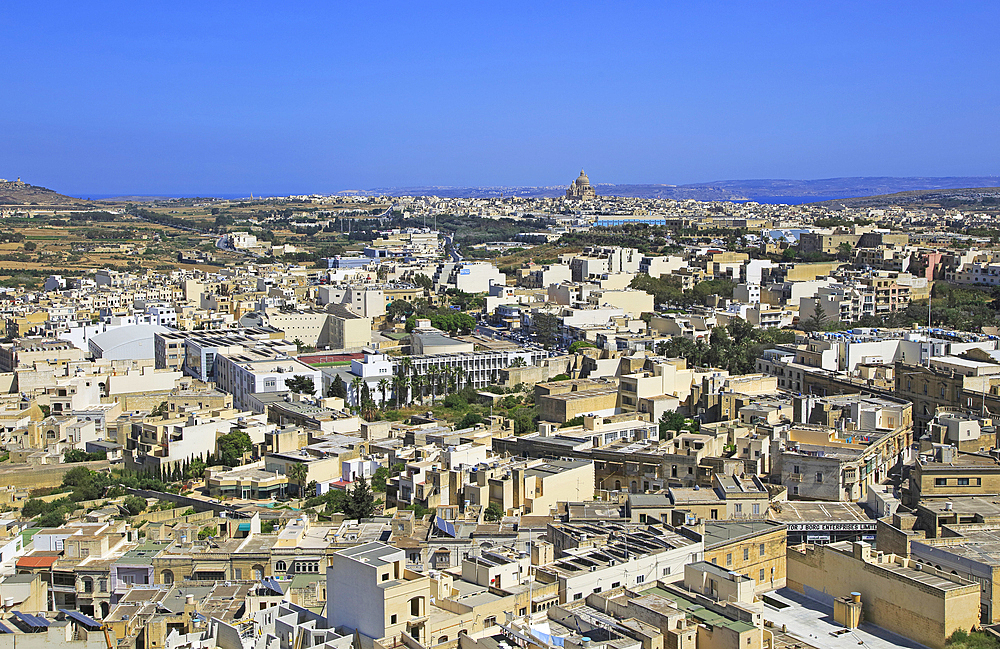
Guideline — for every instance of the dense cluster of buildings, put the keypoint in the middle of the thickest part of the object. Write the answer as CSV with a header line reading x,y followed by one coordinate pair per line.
x,y
846,485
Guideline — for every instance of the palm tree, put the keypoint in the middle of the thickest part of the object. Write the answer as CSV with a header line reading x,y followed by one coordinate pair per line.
x,y
404,387
298,473
356,384
432,374
419,382
661,348
518,362
397,383
383,385
459,375
406,366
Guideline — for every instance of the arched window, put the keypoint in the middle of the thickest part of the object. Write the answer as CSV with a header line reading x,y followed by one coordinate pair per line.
x,y
167,577
281,566
258,572
88,585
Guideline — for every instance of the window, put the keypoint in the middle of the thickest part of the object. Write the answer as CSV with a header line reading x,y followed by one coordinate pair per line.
x,y
492,620
746,554
761,549
963,482
578,596
281,566
715,561
795,468
819,476
729,559
756,509
666,571
940,482
616,584
761,576
385,576
640,578
714,514
392,619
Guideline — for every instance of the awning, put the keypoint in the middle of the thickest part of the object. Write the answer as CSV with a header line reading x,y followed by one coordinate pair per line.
x,y
206,566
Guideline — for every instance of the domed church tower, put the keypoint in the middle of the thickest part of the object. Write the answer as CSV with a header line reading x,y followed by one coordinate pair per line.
x,y
581,189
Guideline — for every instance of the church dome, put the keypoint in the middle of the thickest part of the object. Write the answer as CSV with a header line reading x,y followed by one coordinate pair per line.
x,y
582,180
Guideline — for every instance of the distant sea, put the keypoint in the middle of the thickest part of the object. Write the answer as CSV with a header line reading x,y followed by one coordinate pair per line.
x,y
790,200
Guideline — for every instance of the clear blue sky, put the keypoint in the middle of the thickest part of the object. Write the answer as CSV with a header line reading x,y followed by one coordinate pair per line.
x,y
284,97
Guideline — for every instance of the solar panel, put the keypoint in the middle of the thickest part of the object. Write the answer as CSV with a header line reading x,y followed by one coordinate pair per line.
x,y
272,584
4,628
80,618
33,621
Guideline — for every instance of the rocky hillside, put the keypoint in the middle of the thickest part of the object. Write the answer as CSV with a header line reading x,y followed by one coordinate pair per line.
x,y
16,192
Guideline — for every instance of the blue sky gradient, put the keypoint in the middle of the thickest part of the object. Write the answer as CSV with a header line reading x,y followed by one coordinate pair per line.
x,y
275,98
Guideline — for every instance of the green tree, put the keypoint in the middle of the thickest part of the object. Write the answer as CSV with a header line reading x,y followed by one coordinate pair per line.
x,y
298,473
337,388
134,505
469,420
54,518
233,446
492,513
301,384
818,320
379,479
361,501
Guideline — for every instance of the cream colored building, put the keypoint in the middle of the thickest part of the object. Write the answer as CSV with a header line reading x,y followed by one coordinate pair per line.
x,y
900,594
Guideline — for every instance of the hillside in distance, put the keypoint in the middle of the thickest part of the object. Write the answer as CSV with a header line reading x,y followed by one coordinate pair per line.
x,y
981,199
15,192
762,191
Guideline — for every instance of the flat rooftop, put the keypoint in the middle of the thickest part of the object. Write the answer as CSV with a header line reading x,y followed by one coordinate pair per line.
x,y
809,623
720,533
812,512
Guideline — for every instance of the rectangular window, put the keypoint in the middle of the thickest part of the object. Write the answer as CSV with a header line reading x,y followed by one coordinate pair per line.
x,y
490,621
729,559
746,554
392,619
819,476
761,576
578,596
963,482
761,549
640,578
666,571
940,482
